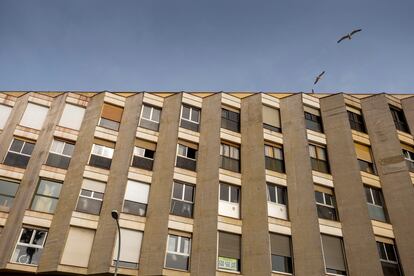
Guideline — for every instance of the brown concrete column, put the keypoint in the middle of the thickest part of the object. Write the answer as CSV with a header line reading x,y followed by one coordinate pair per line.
x,y
307,249
360,247
16,114
255,238
395,179
204,244
29,181
59,229
104,242
156,226
408,107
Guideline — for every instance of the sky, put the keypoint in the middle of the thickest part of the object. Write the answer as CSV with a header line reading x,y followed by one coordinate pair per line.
x,y
206,45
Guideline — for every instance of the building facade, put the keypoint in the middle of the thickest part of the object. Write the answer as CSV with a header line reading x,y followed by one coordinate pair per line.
x,y
207,183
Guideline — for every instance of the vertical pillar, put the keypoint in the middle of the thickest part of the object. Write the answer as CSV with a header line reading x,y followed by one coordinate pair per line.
x,y
156,226
408,107
307,248
255,238
395,179
360,247
204,245
101,254
59,229
28,183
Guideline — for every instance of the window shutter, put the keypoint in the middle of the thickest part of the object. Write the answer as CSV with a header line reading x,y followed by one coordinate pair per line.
x,y
271,116
34,116
130,246
363,152
311,110
72,116
93,185
229,245
280,245
145,144
137,192
333,252
78,246
112,112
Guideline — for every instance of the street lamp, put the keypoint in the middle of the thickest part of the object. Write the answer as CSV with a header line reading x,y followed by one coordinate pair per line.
x,y
115,216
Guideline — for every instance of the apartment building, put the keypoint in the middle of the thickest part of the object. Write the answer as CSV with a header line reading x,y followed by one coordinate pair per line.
x,y
207,183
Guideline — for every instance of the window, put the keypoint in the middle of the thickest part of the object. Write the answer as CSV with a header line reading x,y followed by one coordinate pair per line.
x,y
4,115
334,254
280,246
190,117
229,204
274,159
29,247
111,116
182,200
34,116
229,251
136,198
150,117
277,201
271,118
101,156
8,190
230,157
376,206
313,119
186,157
408,152
389,259
178,252
90,197
60,154
72,116
230,120
47,196
19,153
319,158
326,205
365,158
78,246
356,121
130,248
143,158
399,119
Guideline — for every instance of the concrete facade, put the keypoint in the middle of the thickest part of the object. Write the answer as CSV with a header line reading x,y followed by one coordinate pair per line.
x,y
357,231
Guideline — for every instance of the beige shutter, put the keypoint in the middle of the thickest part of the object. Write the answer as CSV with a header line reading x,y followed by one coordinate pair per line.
x,y
145,144
280,245
363,152
333,252
112,112
311,110
229,245
78,247
271,116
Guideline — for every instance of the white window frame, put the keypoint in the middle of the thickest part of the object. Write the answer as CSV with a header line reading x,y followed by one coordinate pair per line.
x,y
179,240
278,207
24,143
137,152
186,152
64,144
324,200
231,150
275,187
373,198
227,204
183,192
191,113
92,194
30,242
151,113
386,253
105,151
409,156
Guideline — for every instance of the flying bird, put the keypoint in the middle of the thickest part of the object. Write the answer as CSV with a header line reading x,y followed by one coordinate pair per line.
x,y
349,36
318,77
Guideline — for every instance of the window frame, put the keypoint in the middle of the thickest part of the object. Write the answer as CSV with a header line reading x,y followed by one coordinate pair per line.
x,y
355,123
326,205
36,194
61,153
400,125
124,198
24,143
228,111
318,147
276,187
185,185
178,246
27,245
190,113
343,255
14,181
151,113
90,198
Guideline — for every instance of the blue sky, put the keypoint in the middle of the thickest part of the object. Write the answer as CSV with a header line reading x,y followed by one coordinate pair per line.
x,y
200,45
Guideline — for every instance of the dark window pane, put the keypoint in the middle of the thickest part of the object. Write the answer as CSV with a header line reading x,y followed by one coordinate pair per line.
x,y
28,148
98,195
234,196
149,153
281,195
224,192
58,161
8,188
109,124
100,162
126,264
135,208
6,201
88,205
189,125
368,195
16,160
68,149
376,213
142,163
282,264
377,197
191,153
39,237
26,235
86,193
195,115
319,197
181,208
325,212
186,163
188,193
381,251
186,112
16,145
274,164
390,252
272,193
149,124
26,255
178,190
366,166
177,261
390,269
230,164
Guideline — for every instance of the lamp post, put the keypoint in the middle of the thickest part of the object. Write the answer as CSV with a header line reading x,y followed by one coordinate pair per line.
x,y
115,216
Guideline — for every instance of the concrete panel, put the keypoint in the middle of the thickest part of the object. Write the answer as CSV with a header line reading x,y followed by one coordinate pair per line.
x,y
360,246
156,226
204,246
29,181
101,256
408,107
255,238
306,242
59,229
394,176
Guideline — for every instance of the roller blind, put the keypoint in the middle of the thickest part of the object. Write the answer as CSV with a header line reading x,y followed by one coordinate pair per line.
x,y
229,245
34,116
333,252
407,147
145,144
93,185
137,191
363,152
112,112
311,110
271,116
280,245
105,143
130,246
78,247
72,116
4,114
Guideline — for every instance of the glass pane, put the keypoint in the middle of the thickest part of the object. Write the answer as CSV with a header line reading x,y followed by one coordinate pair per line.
x,y
16,145
281,195
146,112
381,251
172,243
86,193
185,245
68,149
97,149
390,252
271,194
224,192
368,195
268,151
390,269
98,195
278,153
191,153
178,190
39,237
149,154
28,148
321,153
156,115
6,201
188,193
8,188
376,213
26,255
234,153
319,197
182,150
234,194
329,199
88,205
181,208
186,113
176,261
377,197
57,146
312,151
195,115
134,208
49,188
26,235
281,264
44,204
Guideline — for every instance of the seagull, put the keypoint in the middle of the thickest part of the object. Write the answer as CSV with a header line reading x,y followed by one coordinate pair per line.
x,y
318,77
349,36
